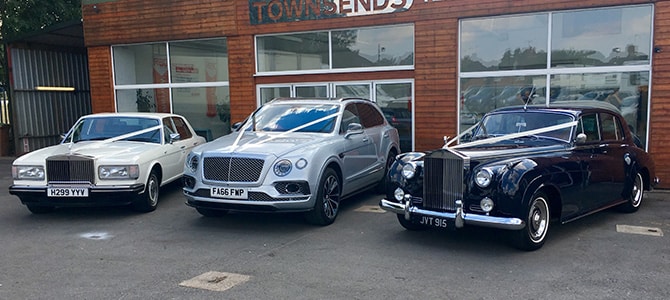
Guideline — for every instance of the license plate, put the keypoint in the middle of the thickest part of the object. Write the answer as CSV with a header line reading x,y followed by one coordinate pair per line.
x,y
67,192
434,221
229,193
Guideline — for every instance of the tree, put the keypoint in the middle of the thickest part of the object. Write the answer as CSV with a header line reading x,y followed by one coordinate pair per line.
x,y
19,17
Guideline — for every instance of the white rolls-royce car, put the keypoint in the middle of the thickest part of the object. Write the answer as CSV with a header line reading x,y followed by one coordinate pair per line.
x,y
293,155
106,159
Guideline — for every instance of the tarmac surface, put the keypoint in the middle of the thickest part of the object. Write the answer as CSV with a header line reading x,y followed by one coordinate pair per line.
x,y
174,253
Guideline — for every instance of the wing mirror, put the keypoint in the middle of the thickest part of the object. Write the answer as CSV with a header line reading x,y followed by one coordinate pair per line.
x,y
236,126
353,129
174,137
581,138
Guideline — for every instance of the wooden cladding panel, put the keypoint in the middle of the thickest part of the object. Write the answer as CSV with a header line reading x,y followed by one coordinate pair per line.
x,y
659,141
100,73
134,21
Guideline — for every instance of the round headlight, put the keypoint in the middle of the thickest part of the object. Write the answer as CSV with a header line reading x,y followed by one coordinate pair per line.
x,y
398,194
192,163
483,178
408,171
486,204
282,167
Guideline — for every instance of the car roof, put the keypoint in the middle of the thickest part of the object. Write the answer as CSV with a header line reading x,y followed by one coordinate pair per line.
x,y
574,107
131,114
316,100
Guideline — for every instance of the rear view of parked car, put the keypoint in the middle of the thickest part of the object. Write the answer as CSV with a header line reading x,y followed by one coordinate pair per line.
x,y
293,155
106,159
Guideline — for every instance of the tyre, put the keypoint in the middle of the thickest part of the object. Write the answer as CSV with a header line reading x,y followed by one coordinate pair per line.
x,y
38,209
635,197
327,203
147,201
211,213
390,159
409,225
537,220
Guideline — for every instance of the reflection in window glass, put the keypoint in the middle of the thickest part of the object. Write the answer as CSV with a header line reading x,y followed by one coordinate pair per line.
x,y
197,61
269,93
143,100
628,91
206,108
139,64
304,51
353,90
311,91
504,43
601,37
378,46
481,95
395,100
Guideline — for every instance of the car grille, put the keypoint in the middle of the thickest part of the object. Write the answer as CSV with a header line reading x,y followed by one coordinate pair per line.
x,y
64,168
237,169
443,180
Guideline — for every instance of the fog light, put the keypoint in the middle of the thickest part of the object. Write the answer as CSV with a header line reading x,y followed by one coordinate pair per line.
x,y
398,194
486,204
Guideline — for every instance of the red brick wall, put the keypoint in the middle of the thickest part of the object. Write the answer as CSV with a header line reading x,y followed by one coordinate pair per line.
x,y
436,42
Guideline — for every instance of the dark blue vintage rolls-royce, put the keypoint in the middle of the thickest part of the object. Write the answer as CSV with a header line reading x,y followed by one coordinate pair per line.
x,y
522,167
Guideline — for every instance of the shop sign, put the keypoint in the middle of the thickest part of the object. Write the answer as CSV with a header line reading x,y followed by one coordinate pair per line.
x,y
275,11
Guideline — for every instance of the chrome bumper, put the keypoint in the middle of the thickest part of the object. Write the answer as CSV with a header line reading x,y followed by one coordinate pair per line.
x,y
459,217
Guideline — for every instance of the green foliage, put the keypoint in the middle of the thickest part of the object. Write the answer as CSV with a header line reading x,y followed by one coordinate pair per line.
x,y
19,17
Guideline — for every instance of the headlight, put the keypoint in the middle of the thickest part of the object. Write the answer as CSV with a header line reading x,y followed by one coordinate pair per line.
x,y
483,178
119,172
408,170
282,167
399,194
28,172
486,204
192,162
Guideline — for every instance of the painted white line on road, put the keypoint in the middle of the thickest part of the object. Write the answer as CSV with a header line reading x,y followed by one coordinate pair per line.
x,y
370,209
653,231
215,281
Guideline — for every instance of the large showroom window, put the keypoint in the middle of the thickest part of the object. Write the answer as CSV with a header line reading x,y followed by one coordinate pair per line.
x,y
599,54
394,97
189,78
364,49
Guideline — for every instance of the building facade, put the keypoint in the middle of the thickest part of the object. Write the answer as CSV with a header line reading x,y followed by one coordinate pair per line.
x,y
433,66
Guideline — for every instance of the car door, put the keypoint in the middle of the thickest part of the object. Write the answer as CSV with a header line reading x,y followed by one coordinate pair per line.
x,y
173,152
356,151
373,124
593,164
613,150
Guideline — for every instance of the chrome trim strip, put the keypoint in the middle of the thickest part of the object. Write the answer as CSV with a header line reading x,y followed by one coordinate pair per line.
x,y
460,218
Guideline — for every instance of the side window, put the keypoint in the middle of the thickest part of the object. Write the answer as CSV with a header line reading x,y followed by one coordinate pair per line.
x,y
610,127
588,124
349,115
369,115
182,128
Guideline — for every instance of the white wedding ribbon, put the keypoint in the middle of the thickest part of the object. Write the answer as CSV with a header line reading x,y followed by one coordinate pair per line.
x,y
507,136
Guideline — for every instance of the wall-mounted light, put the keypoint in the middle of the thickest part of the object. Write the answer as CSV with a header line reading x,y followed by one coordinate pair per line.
x,y
96,9
55,88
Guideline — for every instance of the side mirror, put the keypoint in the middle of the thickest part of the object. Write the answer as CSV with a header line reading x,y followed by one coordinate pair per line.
x,y
353,129
174,137
581,138
237,126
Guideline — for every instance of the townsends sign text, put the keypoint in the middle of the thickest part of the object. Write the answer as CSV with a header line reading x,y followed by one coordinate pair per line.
x,y
274,11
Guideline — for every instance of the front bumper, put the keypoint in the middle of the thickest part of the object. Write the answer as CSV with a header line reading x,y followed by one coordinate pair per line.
x,y
97,196
460,218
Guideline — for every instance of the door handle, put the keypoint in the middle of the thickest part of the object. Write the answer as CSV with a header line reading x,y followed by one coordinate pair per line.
x,y
365,140
182,147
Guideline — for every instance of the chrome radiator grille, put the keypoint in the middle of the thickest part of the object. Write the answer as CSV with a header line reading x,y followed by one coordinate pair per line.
x,y
443,180
237,169
65,168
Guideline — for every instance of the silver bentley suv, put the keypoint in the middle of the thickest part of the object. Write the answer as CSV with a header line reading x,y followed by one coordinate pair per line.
x,y
293,155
